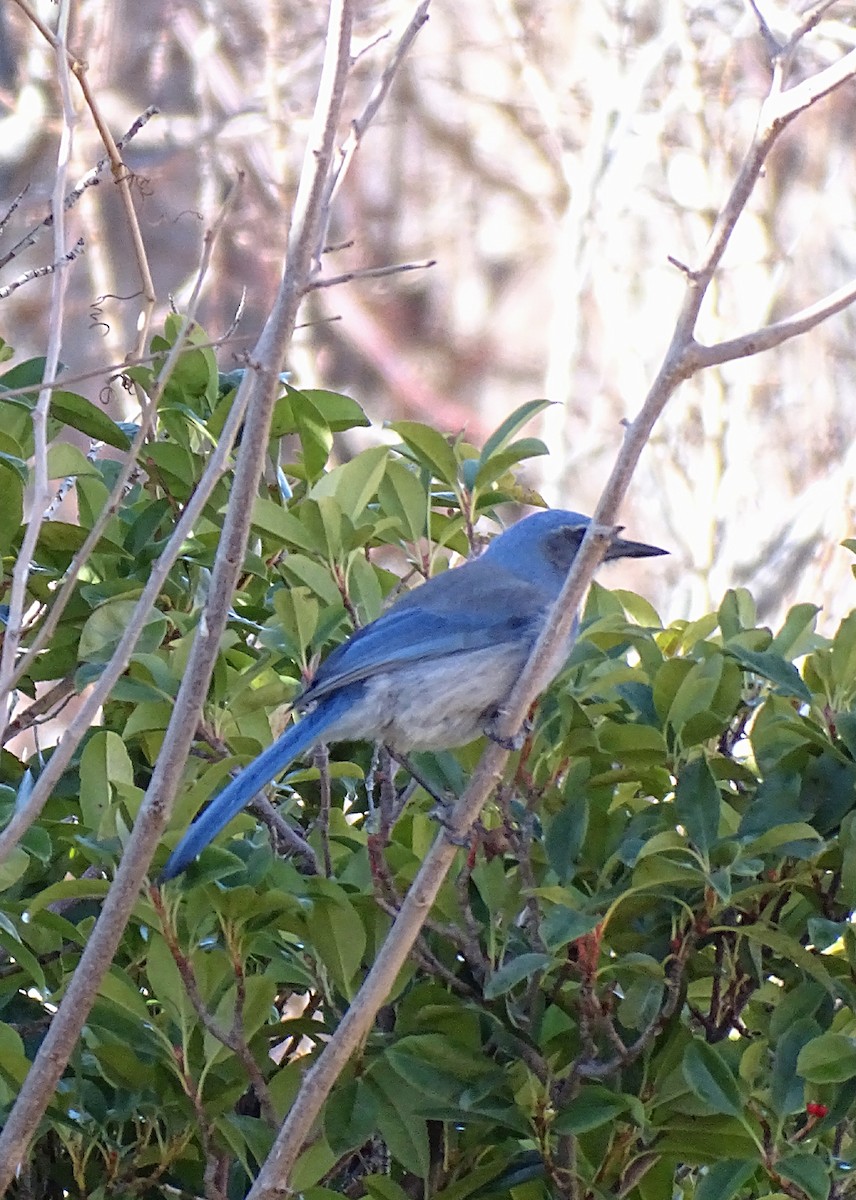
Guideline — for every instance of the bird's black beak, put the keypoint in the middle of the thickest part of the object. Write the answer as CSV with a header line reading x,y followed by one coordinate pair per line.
x,y
622,548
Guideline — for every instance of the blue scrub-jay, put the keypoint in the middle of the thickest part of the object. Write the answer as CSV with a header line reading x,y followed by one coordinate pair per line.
x,y
430,672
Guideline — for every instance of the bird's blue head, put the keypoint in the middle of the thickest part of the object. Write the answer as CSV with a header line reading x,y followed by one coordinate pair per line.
x,y
541,547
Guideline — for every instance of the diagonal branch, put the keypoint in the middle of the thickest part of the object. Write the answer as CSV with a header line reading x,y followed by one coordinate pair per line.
x,y
679,363
769,336
121,174
41,493
361,123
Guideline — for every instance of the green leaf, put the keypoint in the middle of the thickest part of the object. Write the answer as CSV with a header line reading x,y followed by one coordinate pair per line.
x,y
697,801
843,656
81,414
271,518
474,1181
104,762
771,666
830,1058
401,1127
514,972
511,426
724,1179
736,613
710,1080
382,1187
12,462
14,1063
403,497
316,438
787,1094
594,1106
13,867
109,622
565,835
430,448
337,411
339,939
19,953
790,949
563,925
350,1115
119,990
782,835
794,638
696,692
800,1002
354,484
498,464
11,499
808,1172
312,1165
66,460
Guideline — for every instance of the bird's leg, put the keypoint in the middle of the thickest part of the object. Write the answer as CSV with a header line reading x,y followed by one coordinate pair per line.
x,y
507,743
442,804
409,766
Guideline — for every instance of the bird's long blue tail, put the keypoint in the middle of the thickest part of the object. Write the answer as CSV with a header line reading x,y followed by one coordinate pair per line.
x,y
253,778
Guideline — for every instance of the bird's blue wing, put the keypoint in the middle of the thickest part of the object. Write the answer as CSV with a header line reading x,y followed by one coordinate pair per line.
x,y
459,611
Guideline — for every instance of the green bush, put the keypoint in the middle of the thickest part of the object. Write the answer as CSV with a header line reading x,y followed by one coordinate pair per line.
x,y
639,979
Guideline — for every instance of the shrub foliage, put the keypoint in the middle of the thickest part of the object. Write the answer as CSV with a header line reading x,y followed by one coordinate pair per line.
x,y
637,982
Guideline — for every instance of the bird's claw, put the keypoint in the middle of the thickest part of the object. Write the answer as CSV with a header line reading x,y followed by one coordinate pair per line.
x,y
441,813
508,743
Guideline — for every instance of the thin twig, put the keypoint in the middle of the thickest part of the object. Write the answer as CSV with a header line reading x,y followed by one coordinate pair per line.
x,y
769,336
121,174
294,843
361,123
41,486
12,209
371,273
233,1038
90,179
40,272
45,707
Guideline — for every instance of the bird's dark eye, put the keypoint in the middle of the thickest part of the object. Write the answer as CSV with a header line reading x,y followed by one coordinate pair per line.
x,y
563,545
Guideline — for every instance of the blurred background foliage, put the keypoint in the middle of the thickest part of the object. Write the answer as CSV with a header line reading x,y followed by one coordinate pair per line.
x,y
550,156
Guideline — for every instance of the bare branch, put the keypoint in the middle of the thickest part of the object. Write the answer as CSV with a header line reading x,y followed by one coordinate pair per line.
x,y
44,708
121,174
291,839
782,107
41,272
370,273
774,334
812,17
90,179
41,486
233,1038
362,122
11,210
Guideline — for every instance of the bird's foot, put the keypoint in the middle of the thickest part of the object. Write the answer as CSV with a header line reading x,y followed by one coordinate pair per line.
x,y
507,743
441,813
